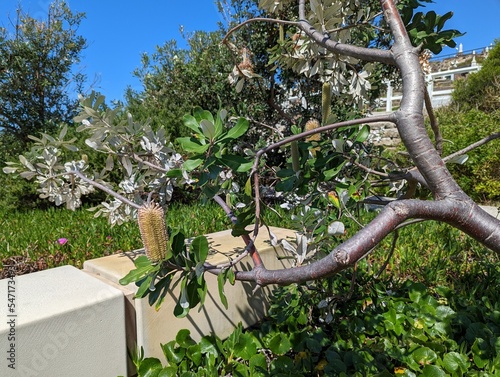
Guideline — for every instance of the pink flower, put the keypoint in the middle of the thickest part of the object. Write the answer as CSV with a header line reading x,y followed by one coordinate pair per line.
x,y
62,241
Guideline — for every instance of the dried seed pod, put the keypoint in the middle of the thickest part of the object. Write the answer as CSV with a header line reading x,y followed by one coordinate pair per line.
x,y
151,219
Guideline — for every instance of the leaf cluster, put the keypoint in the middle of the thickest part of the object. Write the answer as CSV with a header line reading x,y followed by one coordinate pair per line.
x,y
183,265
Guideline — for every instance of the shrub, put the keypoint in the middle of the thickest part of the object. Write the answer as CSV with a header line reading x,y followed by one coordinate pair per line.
x,y
479,175
481,90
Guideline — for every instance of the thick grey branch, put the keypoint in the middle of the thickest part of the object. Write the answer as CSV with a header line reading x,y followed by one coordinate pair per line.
x,y
362,53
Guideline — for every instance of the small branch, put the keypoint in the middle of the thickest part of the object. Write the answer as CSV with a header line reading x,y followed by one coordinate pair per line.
x,y
475,145
257,19
363,23
391,253
434,123
303,135
369,170
250,247
103,188
136,157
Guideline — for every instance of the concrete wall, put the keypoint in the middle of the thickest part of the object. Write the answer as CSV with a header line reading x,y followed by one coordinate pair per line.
x,y
70,322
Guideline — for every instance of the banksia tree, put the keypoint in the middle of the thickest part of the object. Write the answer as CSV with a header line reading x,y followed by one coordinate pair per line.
x,y
151,219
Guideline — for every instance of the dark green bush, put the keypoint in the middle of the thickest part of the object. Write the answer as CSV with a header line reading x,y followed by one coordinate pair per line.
x,y
479,176
481,90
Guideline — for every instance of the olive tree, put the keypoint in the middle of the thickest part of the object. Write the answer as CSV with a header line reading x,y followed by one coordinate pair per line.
x,y
37,72
326,175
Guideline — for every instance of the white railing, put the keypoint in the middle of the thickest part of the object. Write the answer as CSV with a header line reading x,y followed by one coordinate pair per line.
x,y
439,86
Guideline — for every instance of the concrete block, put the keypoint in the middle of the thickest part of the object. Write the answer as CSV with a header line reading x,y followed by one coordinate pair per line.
x,y
64,323
245,305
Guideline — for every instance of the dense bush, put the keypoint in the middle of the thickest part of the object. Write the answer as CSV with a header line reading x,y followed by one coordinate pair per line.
x,y
481,90
479,175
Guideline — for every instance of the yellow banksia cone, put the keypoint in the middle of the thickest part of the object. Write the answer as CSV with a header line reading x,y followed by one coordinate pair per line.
x,y
312,124
151,219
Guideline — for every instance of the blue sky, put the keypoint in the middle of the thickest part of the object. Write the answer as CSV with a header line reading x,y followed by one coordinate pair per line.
x,y
118,32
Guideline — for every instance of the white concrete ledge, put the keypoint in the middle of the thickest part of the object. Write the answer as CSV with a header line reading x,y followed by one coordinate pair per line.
x,y
63,323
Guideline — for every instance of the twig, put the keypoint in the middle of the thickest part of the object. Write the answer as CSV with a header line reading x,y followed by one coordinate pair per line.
x,y
391,253
103,188
434,123
258,19
475,145
250,246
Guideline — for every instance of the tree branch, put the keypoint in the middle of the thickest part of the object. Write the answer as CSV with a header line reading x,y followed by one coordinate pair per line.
x,y
475,145
362,53
103,188
438,138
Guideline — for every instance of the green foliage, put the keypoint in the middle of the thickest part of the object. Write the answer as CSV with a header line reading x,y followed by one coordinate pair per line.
x,y
37,61
378,331
427,29
481,90
478,176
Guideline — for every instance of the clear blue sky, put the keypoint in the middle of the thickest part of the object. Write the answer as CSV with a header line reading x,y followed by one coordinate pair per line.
x,y
119,31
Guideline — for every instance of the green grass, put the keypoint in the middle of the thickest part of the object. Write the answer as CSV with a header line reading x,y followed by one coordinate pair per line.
x,y
34,234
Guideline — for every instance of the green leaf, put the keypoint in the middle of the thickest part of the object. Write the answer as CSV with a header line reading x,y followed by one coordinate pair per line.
x,y
235,162
144,286
363,134
237,130
136,274
201,114
175,173
442,19
453,362
157,296
208,129
433,371
194,354
150,367
221,280
191,122
424,355
142,261
248,187
208,346
190,165
279,344
258,366
245,347
173,354
183,338
417,291
199,248
192,145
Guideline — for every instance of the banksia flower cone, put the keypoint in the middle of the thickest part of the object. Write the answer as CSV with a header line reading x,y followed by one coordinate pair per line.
x,y
151,219
312,124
